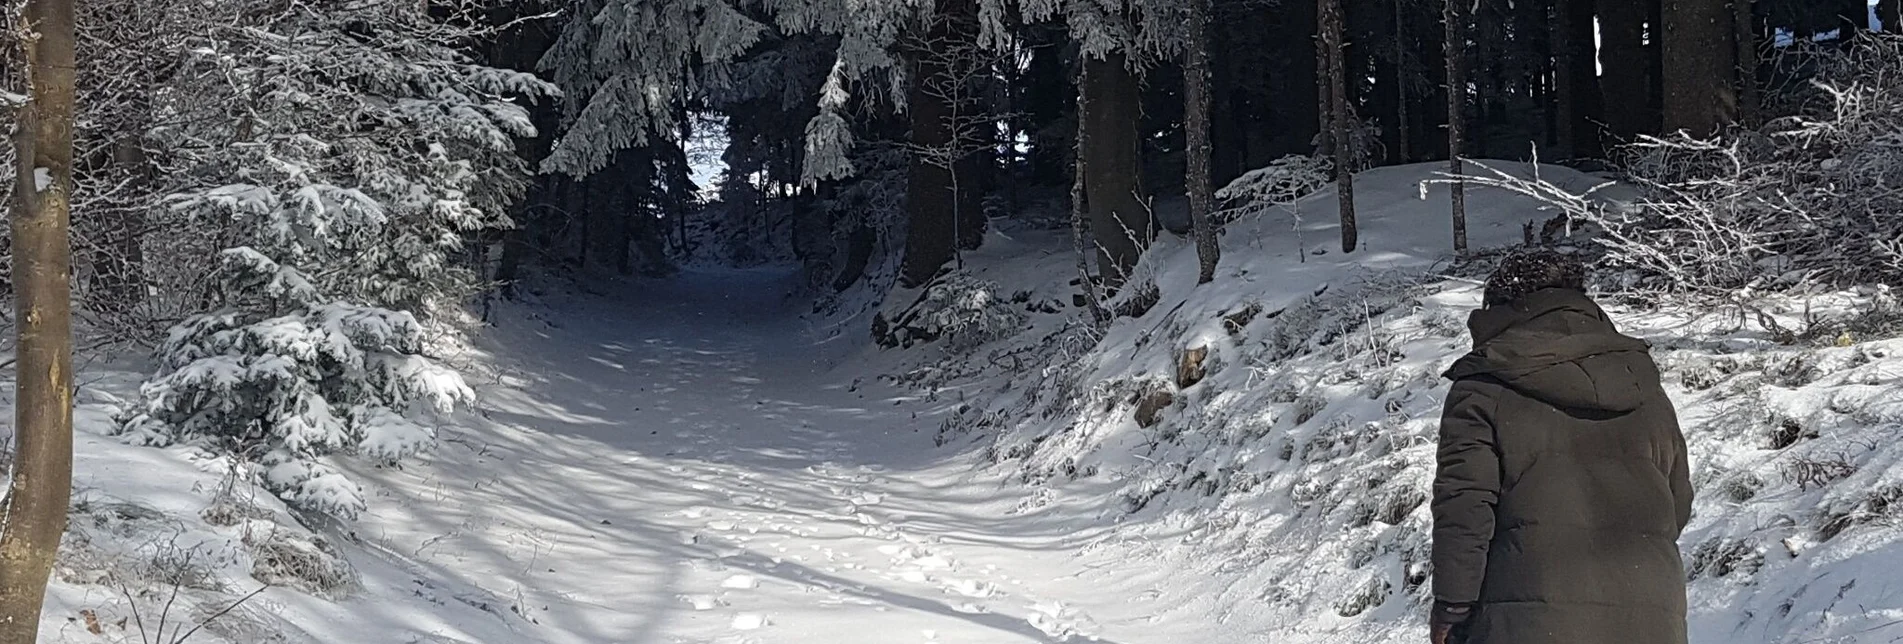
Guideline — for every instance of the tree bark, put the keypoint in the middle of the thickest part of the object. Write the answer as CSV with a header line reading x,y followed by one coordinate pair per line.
x,y
1298,69
1324,82
1340,118
1699,66
931,236
1575,79
1120,220
1744,34
35,512
1454,46
1196,135
1079,215
940,213
1402,151
1625,87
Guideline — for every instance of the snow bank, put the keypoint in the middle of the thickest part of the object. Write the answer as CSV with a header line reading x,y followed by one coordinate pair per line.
x,y
162,541
1269,437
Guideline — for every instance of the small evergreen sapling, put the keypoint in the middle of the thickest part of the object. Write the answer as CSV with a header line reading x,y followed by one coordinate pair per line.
x,y
291,379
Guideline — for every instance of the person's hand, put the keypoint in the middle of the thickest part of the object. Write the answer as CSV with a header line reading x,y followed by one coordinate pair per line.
x,y
1441,623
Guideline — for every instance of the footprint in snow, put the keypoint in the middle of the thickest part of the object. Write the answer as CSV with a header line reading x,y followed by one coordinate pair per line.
x,y
971,588
970,608
934,562
702,602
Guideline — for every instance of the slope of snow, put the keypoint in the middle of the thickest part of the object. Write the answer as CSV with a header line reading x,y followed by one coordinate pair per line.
x,y
1285,489
688,461
695,467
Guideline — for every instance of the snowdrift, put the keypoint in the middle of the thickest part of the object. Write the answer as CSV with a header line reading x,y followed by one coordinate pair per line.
x,y
1268,439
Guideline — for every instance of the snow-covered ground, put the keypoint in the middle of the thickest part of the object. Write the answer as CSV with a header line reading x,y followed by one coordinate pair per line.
x,y
690,461
673,464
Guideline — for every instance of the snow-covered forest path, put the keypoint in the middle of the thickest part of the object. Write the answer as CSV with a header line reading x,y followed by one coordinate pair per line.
x,y
680,464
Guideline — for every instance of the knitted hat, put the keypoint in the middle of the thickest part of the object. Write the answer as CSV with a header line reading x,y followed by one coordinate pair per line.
x,y
1527,271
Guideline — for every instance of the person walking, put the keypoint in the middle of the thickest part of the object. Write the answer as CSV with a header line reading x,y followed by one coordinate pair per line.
x,y
1562,481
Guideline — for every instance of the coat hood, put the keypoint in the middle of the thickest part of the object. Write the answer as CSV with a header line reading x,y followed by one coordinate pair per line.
x,y
1558,347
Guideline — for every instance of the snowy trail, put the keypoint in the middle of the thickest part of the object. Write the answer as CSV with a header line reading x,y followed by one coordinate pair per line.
x,y
686,469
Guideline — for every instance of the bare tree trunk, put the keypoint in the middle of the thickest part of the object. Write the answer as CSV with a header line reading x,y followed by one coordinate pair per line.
x,y
940,212
1196,133
1744,33
1340,117
1324,83
1630,65
1455,45
932,231
1587,111
1699,66
1401,152
1573,79
35,512
1120,220
1079,215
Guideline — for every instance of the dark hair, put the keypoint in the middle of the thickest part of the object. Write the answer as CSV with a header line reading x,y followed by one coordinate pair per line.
x,y
1527,271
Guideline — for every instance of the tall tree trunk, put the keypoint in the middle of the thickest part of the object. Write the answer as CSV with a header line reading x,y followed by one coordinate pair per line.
x,y
1300,70
1324,82
940,214
1402,151
975,174
1080,219
1574,84
1196,135
1341,117
1890,13
931,235
1699,65
1625,86
1745,35
1119,218
35,508
1430,137
1454,46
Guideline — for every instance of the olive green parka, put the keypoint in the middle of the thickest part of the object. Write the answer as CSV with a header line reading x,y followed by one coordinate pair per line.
x,y
1562,483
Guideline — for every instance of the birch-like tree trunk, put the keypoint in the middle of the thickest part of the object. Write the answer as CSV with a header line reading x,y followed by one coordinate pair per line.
x,y
1196,134
35,508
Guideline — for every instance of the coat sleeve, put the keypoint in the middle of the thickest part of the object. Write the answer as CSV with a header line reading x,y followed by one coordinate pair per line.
x,y
1680,476
1466,490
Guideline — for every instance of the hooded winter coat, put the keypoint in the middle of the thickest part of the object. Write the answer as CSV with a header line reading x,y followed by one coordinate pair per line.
x,y
1562,482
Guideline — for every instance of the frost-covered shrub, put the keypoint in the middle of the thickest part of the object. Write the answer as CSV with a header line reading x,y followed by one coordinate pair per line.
x,y
289,389
963,311
301,560
1282,182
1770,208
